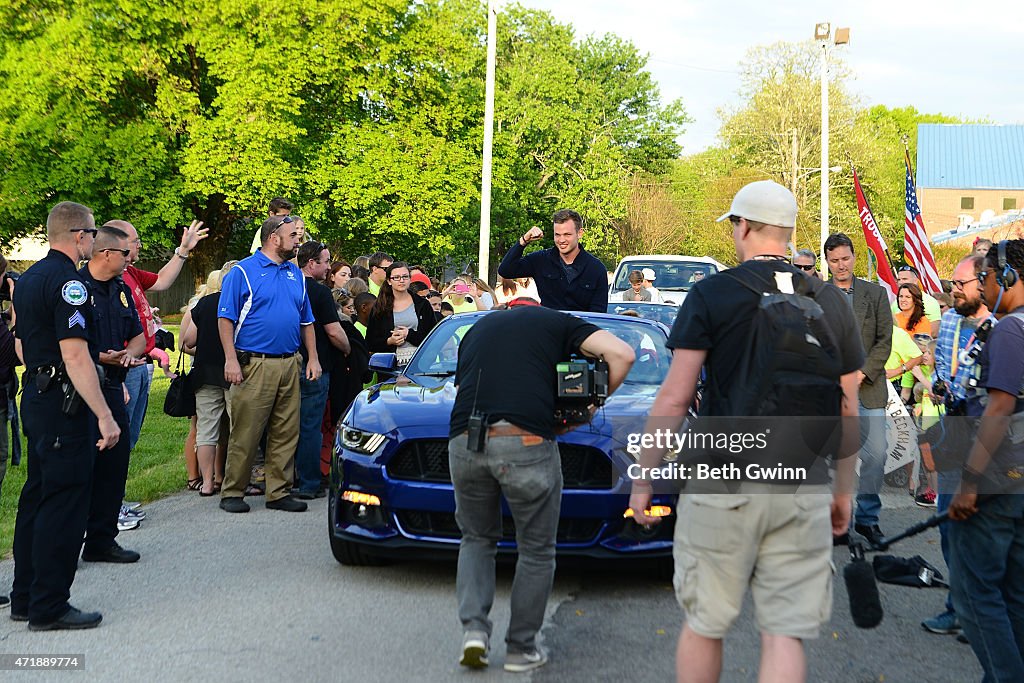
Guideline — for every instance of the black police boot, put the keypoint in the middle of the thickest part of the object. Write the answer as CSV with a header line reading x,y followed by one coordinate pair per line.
x,y
73,620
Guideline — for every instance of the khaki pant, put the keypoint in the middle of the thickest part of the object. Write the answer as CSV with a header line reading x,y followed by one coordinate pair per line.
x,y
779,545
267,397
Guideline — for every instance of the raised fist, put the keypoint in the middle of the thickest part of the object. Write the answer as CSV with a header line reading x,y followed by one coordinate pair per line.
x,y
532,235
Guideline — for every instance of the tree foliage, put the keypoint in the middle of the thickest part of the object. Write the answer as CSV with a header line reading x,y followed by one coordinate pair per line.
x,y
368,115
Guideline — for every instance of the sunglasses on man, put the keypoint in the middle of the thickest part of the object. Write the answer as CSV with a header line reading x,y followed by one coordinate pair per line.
x,y
803,267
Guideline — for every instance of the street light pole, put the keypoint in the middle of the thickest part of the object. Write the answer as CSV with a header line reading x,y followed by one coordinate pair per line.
x,y
824,145
823,33
484,257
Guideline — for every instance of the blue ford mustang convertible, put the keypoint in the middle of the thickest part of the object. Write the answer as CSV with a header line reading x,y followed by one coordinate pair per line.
x,y
391,491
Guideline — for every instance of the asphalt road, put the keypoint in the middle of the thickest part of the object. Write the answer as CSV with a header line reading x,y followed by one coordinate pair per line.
x,y
259,597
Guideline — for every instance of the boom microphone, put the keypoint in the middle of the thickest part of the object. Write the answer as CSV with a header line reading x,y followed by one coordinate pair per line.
x,y
865,605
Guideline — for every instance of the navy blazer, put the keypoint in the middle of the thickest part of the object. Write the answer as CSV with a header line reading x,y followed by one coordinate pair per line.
x,y
587,292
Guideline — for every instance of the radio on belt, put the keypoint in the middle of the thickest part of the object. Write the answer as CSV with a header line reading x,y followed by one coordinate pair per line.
x,y
581,383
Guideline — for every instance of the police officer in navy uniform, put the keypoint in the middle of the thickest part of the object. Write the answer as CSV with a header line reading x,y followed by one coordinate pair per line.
x,y
122,345
54,326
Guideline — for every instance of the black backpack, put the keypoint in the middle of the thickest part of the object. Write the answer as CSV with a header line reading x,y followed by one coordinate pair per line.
x,y
788,377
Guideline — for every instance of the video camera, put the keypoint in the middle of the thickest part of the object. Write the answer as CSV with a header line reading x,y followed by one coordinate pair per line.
x,y
5,284
581,383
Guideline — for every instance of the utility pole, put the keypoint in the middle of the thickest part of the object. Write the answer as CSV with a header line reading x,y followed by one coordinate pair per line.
x,y
824,144
485,184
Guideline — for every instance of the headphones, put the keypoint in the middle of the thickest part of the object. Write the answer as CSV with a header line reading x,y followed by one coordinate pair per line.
x,y
1006,276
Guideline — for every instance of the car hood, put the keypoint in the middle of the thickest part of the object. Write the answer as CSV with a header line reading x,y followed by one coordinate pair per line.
x,y
395,406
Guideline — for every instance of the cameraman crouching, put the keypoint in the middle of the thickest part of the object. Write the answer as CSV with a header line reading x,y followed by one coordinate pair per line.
x,y
506,373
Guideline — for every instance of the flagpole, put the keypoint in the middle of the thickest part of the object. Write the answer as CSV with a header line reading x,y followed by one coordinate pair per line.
x,y
888,256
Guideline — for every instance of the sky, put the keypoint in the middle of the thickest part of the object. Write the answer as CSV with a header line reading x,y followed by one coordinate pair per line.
x,y
940,56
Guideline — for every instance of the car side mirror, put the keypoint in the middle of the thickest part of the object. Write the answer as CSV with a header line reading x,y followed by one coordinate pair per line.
x,y
384,364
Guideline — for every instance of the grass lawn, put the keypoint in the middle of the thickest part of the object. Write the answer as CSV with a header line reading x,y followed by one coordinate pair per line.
x,y
157,465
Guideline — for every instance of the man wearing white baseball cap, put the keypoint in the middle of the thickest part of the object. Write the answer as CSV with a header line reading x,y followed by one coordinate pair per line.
x,y
649,277
728,539
764,202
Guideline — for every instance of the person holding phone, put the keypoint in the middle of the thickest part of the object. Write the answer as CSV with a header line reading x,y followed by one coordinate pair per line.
x,y
460,296
398,321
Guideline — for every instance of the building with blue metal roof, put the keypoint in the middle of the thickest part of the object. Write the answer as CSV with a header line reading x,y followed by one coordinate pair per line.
x,y
969,174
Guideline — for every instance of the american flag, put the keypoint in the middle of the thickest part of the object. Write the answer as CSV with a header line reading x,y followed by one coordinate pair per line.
x,y
915,240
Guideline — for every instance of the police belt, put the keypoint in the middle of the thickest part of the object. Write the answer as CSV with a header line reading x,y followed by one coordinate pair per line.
x,y
56,374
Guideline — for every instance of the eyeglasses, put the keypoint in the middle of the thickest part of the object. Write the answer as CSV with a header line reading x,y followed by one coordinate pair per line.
x,y
961,284
90,231
798,265
399,278
122,252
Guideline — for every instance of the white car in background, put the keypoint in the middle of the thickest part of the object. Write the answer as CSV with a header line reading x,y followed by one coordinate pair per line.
x,y
674,275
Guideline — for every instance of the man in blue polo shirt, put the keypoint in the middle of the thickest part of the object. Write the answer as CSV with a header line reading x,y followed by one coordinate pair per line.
x,y
264,311
568,278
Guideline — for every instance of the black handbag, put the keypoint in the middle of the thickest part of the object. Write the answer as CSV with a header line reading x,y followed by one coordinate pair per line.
x,y
180,400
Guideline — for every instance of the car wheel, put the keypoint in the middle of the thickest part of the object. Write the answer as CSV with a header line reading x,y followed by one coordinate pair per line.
x,y
664,569
898,478
353,554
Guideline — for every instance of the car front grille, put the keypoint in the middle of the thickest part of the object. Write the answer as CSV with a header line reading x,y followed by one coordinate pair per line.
x,y
442,525
583,467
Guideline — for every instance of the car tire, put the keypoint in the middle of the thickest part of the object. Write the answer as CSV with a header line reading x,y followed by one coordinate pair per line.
x,y
664,569
353,554
898,478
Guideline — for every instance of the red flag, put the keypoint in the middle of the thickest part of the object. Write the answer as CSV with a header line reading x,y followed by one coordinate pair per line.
x,y
915,240
876,243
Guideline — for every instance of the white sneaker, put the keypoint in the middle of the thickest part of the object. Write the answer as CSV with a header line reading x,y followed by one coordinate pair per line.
x,y
125,524
131,513
521,662
134,505
474,650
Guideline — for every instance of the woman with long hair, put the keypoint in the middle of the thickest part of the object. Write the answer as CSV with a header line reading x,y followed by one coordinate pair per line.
x,y
911,314
483,294
509,289
399,321
199,332
341,273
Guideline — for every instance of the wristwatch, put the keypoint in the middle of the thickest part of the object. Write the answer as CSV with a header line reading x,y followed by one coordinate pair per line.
x,y
179,255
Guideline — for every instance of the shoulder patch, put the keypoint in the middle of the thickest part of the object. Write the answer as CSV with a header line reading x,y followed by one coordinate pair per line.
x,y
124,299
75,293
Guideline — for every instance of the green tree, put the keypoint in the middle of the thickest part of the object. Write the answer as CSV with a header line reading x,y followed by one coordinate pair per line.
x,y
366,114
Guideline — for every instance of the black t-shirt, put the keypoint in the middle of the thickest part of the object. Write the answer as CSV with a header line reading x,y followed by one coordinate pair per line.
x,y
325,312
208,364
718,316
507,366
718,313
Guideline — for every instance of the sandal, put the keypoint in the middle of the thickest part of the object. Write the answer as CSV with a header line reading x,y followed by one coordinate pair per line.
x,y
216,486
194,484
253,490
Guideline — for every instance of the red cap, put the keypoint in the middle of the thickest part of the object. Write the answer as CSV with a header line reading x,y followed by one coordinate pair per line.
x,y
420,277
523,301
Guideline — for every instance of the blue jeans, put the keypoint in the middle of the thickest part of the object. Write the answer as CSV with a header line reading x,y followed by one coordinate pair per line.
x,y
137,381
987,551
948,483
311,415
872,465
530,478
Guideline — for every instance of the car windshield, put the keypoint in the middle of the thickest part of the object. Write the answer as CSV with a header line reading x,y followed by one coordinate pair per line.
x,y
661,312
668,275
438,355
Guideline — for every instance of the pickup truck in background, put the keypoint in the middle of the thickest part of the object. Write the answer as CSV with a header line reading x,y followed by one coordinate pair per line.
x,y
674,275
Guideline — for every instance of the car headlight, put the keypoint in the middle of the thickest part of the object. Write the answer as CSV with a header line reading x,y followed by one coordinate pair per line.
x,y
359,441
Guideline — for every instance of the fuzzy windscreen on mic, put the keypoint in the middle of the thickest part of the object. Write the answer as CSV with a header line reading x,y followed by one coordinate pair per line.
x,y
865,604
